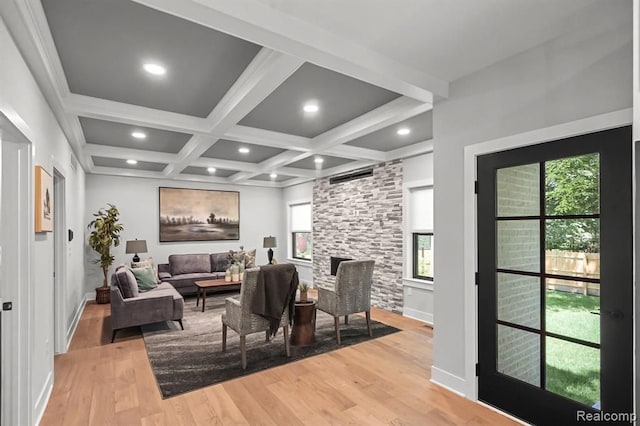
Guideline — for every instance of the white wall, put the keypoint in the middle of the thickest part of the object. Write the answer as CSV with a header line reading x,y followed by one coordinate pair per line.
x,y
23,103
586,72
418,294
296,194
137,200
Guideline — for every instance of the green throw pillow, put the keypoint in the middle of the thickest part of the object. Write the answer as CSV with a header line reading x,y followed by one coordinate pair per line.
x,y
145,277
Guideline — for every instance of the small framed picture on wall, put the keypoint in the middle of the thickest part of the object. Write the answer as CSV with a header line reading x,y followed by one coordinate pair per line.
x,y
43,201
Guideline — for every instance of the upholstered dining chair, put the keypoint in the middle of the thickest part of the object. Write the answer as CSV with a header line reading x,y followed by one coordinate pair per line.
x,y
351,294
239,317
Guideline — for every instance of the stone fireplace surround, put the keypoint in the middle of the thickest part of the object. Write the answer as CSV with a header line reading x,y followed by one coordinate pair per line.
x,y
362,219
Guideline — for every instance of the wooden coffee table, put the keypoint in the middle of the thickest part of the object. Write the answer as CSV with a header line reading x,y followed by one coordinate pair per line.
x,y
206,285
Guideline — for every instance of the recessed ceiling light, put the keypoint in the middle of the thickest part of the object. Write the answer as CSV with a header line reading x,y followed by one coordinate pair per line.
x,y
318,160
211,169
243,150
139,135
311,107
403,131
132,162
154,69
273,175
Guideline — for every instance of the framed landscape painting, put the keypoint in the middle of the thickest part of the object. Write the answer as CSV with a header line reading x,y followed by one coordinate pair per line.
x,y
43,201
198,215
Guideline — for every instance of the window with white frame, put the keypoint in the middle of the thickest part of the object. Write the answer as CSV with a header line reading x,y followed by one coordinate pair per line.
x,y
301,231
421,228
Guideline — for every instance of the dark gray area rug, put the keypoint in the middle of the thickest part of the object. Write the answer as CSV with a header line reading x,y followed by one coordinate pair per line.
x,y
189,359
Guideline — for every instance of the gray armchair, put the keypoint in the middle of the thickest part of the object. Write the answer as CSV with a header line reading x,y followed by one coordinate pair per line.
x,y
352,293
130,309
239,317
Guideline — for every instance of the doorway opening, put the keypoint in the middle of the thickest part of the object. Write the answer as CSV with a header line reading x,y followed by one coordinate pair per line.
x,y
59,262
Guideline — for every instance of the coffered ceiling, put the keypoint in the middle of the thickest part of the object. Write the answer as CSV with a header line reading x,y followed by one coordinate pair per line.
x,y
237,73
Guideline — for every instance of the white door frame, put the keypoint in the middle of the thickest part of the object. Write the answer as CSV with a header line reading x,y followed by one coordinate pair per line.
x,y
574,128
60,259
18,324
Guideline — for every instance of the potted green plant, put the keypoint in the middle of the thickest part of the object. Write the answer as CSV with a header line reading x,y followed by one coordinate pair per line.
x,y
304,288
105,232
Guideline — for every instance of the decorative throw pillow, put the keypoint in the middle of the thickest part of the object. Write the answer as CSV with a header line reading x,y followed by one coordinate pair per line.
x,y
147,262
145,278
126,282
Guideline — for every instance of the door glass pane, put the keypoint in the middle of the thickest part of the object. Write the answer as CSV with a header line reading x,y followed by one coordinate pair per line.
x,y
519,354
570,312
573,371
572,247
519,299
519,245
572,185
518,190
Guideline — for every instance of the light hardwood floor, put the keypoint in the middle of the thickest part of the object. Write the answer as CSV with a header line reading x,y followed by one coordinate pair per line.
x,y
382,381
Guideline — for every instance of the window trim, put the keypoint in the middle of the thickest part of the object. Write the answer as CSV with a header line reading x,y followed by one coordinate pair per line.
x,y
414,256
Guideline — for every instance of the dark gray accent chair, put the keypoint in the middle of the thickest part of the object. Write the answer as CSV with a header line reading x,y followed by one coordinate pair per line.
x,y
130,308
352,293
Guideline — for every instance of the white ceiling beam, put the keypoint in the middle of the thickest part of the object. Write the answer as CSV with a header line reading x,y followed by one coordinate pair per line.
x,y
261,24
225,164
115,171
355,153
263,75
386,115
267,166
410,150
256,136
292,171
104,109
393,112
202,178
128,153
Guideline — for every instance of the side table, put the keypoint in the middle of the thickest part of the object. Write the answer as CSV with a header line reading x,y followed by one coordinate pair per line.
x,y
303,330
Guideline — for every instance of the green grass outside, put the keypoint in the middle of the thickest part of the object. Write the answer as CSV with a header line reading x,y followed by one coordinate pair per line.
x,y
573,370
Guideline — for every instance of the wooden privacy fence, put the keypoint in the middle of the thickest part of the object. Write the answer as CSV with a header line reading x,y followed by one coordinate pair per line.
x,y
575,264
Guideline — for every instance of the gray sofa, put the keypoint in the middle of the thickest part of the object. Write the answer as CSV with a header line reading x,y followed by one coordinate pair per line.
x,y
183,270
131,308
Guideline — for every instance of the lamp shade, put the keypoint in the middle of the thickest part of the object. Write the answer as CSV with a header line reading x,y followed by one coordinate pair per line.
x,y
269,242
136,246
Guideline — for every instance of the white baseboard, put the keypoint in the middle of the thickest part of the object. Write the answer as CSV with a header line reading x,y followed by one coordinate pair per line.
x,y
76,319
448,381
418,315
90,296
43,399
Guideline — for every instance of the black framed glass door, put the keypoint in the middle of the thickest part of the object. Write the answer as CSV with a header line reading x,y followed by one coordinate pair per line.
x,y
555,294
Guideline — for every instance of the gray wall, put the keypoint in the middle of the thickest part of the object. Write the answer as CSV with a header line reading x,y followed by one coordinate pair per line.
x,y
362,219
581,74
137,201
